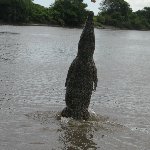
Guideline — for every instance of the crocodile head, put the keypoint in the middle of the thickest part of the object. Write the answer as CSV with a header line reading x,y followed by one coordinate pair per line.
x,y
86,45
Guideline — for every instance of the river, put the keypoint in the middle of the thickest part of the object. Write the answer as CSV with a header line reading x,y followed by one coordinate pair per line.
x,y
34,61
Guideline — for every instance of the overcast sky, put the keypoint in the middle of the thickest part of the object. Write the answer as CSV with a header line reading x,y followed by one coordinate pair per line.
x,y
135,4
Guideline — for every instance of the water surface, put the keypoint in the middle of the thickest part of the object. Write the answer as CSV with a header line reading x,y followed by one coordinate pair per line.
x,y
33,66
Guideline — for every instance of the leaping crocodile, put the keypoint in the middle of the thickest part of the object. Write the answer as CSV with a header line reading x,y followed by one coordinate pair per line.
x,y
82,75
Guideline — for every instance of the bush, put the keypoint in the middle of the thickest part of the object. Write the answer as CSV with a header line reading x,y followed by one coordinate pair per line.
x,y
69,12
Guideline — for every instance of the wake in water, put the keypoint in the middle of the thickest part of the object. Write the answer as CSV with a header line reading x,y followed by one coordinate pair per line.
x,y
97,121
76,134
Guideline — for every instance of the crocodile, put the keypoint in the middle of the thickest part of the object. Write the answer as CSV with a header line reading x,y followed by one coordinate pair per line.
x,y
81,79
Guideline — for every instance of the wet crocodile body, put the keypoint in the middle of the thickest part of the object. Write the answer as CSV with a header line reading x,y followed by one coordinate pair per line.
x,y
82,75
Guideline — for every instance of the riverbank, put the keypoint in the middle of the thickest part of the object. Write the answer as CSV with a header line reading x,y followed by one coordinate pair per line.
x,y
117,28
78,27
39,24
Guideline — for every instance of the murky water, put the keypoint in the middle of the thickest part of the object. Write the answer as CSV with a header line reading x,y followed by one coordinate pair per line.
x,y
33,66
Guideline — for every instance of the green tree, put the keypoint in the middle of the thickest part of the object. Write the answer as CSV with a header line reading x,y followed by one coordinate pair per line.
x,y
40,14
144,16
69,12
114,12
15,10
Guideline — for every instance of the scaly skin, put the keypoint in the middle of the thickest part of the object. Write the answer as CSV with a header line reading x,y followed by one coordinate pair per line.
x,y
82,75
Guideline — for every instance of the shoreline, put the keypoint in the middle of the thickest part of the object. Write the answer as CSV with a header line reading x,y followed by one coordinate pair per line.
x,y
103,27
38,24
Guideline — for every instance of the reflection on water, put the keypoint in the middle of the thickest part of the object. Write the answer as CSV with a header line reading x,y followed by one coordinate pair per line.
x,y
74,135
79,137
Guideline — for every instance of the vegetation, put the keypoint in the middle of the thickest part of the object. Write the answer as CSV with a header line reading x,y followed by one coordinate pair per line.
x,y
143,17
119,14
69,12
15,10
62,12
40,14
73,13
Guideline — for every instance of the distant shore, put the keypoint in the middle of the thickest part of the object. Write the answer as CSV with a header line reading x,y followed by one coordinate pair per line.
x,y
79,27
38,24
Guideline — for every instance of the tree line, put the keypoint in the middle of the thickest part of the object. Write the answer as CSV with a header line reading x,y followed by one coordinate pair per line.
x,y
61,12
116,13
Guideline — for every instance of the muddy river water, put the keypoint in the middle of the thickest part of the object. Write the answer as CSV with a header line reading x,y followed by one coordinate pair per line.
x,y
33,66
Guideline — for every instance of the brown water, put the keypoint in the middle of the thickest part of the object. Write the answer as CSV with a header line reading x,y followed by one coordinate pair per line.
x,y
33,66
